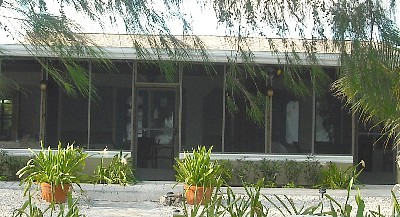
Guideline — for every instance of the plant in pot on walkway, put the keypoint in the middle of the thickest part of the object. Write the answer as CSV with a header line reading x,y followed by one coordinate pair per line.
x,y
55,171
199,175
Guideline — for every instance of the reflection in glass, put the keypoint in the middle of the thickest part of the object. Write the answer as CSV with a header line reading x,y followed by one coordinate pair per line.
x,y
5,119
332,126
202,108
292,122
155,128
151,73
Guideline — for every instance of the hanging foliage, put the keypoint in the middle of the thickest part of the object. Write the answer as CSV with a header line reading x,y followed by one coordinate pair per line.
x,y
363,33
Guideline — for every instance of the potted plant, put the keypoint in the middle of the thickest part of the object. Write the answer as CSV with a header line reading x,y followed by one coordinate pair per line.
x,y
199,174
54,171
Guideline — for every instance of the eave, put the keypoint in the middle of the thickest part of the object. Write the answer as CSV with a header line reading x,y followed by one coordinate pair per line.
x,y
216,56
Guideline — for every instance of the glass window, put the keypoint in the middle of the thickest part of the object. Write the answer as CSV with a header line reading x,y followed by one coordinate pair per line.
x,y
375,148
332,127
291,121
332,124
153,73
5,119
241,133
156,125
202,107
21,107
110,110
74,119
102,119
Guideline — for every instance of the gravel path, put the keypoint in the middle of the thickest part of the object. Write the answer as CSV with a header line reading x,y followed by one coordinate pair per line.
x,y
114,202
11,199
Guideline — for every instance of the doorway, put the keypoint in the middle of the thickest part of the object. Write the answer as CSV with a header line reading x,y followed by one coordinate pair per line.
x,y
378,154
156,124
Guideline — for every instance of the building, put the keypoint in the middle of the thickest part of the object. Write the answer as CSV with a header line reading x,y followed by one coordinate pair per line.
x,y
138,110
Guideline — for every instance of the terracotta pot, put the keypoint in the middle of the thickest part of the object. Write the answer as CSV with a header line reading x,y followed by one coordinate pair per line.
x,y
197,195
60,194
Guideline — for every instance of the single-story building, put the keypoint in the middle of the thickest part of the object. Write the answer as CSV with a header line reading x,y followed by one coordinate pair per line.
x,y
137,110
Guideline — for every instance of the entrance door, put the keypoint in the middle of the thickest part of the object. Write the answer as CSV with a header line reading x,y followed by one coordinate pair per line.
x,y
156,133
378,155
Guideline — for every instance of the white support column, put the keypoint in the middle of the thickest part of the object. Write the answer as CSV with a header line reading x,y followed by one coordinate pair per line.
x,y
59,114
89,105
133,117
268,118
223,112
180,109
354,139
269,150
43,93
114,114
313,121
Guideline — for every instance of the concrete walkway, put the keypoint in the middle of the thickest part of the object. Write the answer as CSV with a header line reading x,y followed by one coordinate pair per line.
x,y
142,199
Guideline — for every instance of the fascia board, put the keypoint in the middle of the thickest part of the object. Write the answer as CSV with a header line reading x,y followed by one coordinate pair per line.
x,y
222,56
218,56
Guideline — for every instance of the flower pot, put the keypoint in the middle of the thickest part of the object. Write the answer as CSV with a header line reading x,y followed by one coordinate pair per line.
x,y
197,195
60,193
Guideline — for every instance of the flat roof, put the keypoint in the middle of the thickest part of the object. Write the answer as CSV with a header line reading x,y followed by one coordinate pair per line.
x,y
219,48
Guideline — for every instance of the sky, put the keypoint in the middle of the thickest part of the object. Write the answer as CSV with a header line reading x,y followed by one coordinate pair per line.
x,y
204,22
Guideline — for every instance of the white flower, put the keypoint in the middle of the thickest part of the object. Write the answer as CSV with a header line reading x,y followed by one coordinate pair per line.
x,y
124,161
362,163
104,152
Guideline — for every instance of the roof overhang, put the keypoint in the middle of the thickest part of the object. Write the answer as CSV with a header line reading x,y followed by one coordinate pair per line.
x,y
216,56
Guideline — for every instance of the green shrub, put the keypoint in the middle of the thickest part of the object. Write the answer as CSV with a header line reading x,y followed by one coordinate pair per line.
x,y
10,165
227,168
336,178
117,172
293,170
290,185
245,171
269,170
313,172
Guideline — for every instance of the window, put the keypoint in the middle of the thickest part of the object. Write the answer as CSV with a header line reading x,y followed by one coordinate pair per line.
x,y
202,108
154,73
332,127
333,124
292,122
5,119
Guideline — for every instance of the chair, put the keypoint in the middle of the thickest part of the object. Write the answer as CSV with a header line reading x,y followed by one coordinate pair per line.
x,y
147,152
